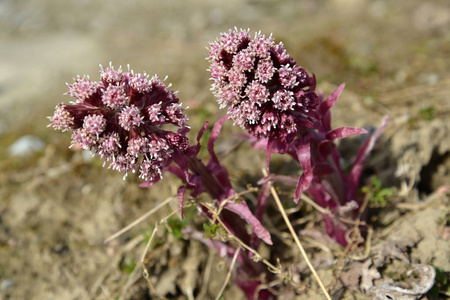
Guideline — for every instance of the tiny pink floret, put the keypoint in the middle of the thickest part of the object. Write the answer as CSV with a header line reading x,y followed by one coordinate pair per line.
x,y
94,124
130,117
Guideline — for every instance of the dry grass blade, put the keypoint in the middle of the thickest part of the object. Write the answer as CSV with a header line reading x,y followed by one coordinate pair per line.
x,y
297,241
146,273
206,276
311,202
227,279
139,220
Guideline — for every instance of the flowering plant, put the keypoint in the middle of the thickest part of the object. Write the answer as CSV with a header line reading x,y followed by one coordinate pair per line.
x,y
275,100
127,119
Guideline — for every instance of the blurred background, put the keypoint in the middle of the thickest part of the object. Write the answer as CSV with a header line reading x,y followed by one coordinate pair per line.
x,y
57,206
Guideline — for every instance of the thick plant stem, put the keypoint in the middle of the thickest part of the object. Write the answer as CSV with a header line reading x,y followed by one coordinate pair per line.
x,y
297,241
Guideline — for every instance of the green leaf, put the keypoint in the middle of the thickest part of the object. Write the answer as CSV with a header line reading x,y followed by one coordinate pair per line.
x,y
128,265
176,225
427,113
212,230
376,193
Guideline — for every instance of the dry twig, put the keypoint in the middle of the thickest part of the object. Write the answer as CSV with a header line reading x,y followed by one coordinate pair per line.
x,y
146,273
227,279
297,241
139,220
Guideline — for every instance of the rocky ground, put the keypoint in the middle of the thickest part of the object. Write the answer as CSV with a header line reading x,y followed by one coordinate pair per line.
x,y
57,206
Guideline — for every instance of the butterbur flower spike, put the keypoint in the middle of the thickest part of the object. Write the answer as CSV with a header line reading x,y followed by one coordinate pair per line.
x,y
121,117
275,100
262,87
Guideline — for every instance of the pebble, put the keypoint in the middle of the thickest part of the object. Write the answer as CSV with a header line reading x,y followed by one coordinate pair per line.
x,y
6,284
87,156
26,145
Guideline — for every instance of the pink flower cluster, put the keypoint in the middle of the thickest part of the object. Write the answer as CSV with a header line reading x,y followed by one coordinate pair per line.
x,y
265,91
121,119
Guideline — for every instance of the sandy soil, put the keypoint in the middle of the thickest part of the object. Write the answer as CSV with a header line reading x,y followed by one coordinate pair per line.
x,y
57,206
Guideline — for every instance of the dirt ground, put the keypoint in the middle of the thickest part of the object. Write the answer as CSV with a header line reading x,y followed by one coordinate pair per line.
x,y
57,206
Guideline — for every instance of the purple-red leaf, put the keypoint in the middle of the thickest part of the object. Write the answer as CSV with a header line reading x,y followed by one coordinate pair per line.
x,y
260,209
222,248
242,210
214,167
343,132
193,150
180,194
202,130
362,155
326,105
325,148
303,151
212,139
322,169
176,171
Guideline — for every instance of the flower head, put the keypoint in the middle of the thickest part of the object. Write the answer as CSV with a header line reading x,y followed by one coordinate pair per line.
x,y
121,119
264,89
